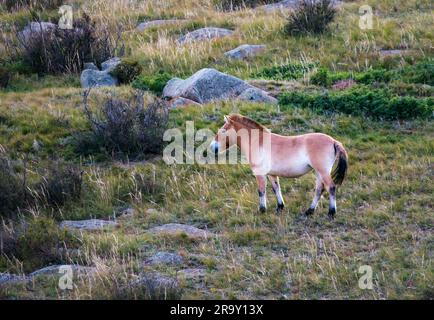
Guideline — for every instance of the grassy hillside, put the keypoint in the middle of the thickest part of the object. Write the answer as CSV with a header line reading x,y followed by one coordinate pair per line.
x,y
385,215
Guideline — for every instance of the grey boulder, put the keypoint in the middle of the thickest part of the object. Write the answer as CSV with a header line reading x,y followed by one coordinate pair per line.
x,y
208,33
208,85
110,64
245,51
95,78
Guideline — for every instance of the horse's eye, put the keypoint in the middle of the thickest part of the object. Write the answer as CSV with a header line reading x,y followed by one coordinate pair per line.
x,y
222,130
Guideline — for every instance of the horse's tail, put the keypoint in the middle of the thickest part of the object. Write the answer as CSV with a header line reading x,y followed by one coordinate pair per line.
x,y
340,171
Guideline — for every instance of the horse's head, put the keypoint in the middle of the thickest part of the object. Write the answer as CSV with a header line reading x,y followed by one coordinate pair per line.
x,y
225,138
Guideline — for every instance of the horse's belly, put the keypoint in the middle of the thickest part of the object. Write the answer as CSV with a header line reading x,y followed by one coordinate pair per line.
x,y
290,167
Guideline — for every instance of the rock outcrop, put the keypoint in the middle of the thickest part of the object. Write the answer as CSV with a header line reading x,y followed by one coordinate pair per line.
x,y
92,77
208,85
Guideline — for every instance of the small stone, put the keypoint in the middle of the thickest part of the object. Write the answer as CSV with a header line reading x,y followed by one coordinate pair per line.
x,y
209,33
90,225
244,51
128,212
176,228
166,258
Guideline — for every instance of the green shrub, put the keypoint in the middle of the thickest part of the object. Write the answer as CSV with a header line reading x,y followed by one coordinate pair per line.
x,y
284,72
154,83
127,71
13,192
60,182
321,78
38,243
362,101
310,17
421,72
5,77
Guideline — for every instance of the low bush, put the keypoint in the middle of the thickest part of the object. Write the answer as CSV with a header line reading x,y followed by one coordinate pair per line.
x,y
154,83
362,101
13,191
127,71
54,184
61,182
56,50
310,17
5,77
284,72
321,78
127,128
37,243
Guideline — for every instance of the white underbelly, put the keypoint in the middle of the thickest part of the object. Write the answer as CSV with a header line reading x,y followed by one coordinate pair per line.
x,y
291,166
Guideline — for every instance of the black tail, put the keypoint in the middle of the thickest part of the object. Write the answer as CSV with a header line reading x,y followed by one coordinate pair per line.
x,y
338,174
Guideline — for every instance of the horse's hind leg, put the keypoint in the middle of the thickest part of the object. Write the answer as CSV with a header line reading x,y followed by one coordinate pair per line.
x,y
331,188
319,188
262,184
274,180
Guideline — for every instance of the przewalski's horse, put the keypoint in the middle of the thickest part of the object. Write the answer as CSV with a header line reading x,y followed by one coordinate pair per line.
x,y
277,156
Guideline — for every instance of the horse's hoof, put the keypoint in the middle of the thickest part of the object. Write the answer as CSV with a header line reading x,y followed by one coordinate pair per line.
x,y
280,207
309,212
262,209
332,212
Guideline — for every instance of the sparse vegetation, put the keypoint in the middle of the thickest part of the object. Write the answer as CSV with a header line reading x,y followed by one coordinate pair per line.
x,y
129,128
311,17
53,50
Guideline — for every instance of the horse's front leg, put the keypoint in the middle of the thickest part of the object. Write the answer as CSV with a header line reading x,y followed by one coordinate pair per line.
x,y
274,180
262,184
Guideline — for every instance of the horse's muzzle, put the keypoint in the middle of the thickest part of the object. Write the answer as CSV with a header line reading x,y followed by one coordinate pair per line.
x,y
214,146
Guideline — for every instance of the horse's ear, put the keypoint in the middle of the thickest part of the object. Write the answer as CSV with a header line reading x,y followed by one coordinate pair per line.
x,y
226,118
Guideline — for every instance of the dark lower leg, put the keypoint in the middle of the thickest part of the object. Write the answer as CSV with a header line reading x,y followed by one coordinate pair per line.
x,y
262,182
